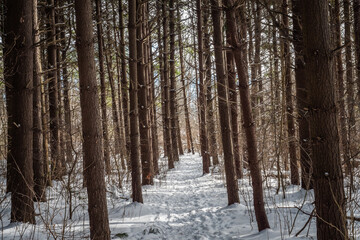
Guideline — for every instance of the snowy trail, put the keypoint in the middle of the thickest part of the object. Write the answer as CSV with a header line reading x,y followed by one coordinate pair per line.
x,y
186,205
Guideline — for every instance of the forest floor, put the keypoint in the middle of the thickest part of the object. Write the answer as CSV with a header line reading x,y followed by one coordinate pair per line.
x,y
182,204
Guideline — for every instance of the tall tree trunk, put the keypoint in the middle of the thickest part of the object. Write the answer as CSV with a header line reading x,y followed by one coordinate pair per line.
x,y
145,143
18,74
233,106
349,78
66,86
38,160
328,178
211,131
124,81
189,141
202,85
91,123
168,138
301,97
153,114
173,104
356,9
249,125
294,169
133,111
102,87
56,165
340,86
231,181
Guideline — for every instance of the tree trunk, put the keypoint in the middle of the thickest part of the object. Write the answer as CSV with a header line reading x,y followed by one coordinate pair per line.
x,y
145,143
66,88
133,111
91,123
38,160
231,181
168,138
202,86
233,106
328,178
356,9
102,87
18,74
349,84
211,131
294,169
56,165
173,113
248,120
124,81
301,98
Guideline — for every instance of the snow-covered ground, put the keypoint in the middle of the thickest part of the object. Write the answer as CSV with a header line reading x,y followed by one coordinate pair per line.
x,y
183,204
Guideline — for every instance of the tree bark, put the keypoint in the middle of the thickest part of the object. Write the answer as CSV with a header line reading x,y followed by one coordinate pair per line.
x,y
133,111
142,77
328,178
18,76
202,86
231,181
168,138
294,169
38,160
56,165
210,114
124,81
248,120
173,104
102,87
301,98
356,9
91,123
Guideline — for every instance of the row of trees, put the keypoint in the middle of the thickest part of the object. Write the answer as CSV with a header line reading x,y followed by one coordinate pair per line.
x,y
143,50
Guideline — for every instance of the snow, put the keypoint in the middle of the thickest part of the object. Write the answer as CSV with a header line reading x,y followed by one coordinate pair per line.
x,y
183,204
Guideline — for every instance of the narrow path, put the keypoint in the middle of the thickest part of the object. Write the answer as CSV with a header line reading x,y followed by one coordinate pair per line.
x,y
186,205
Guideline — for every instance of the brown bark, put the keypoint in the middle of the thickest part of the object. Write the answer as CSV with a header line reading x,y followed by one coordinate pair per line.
x,y
142,77
231,181
340,85
294,169
327,173
210,114
168,138
356,9
133,111
301,98
349,82
202,94
102,87
66,89
153,115
173,104
56,165
91,123
18,75
124,81
248,120
233,107
38,160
